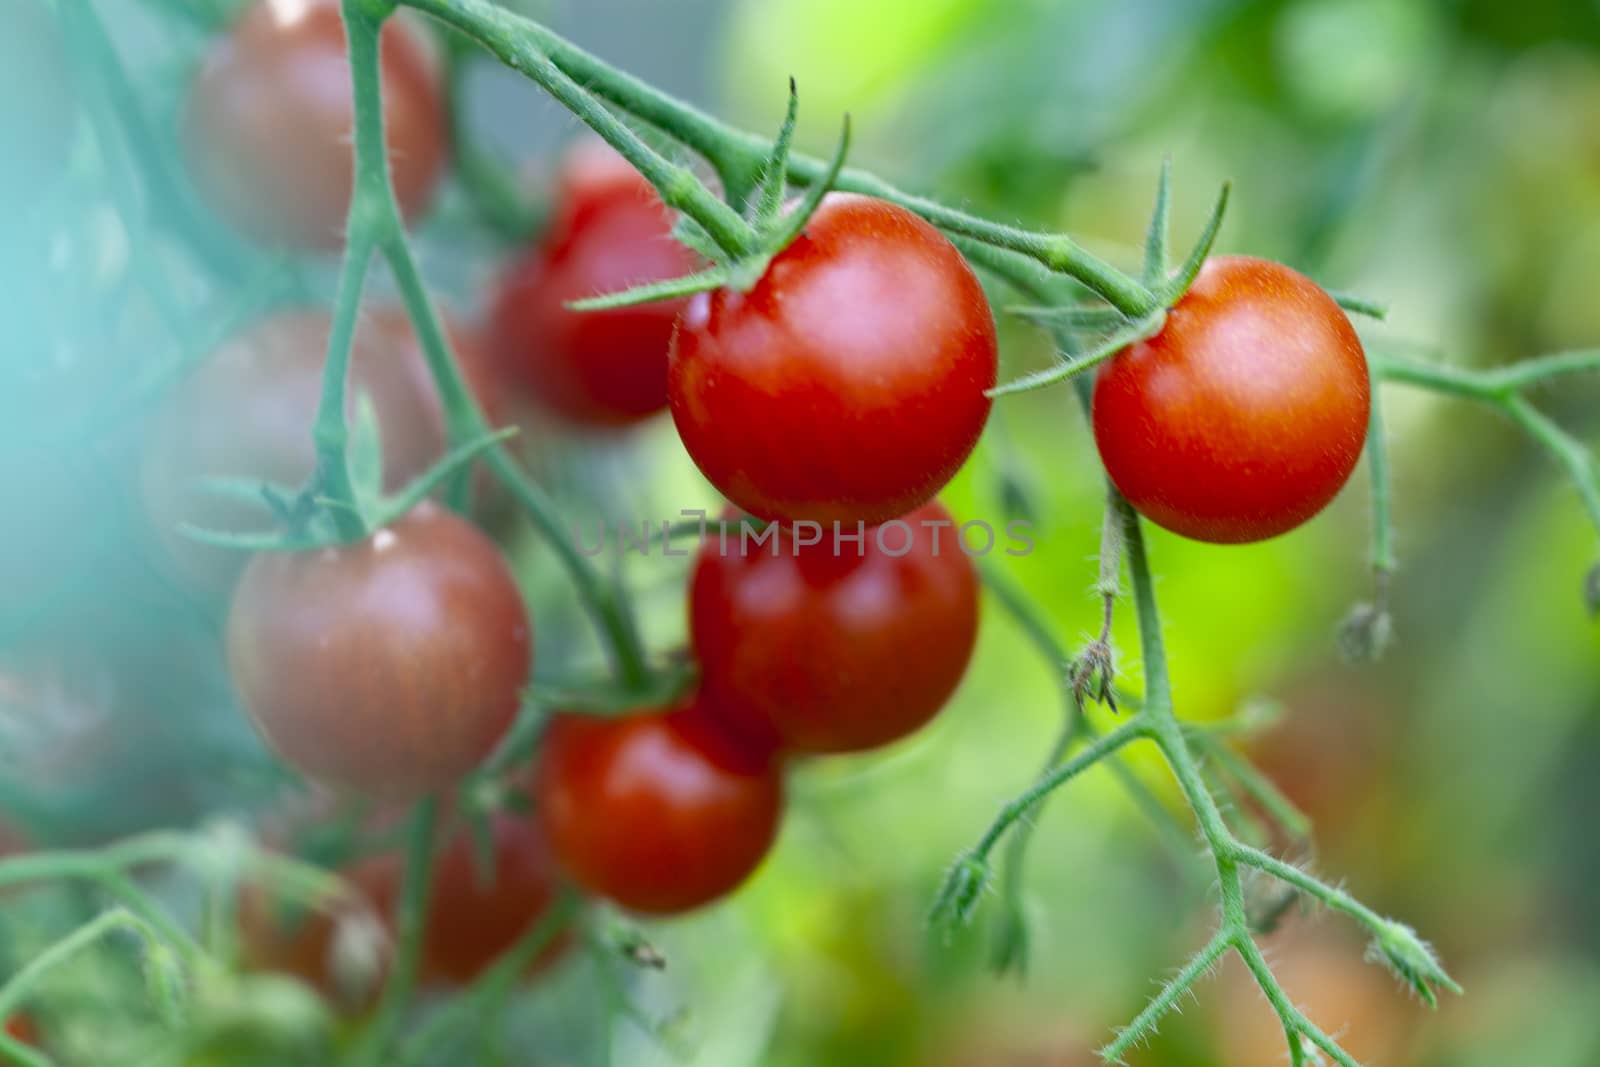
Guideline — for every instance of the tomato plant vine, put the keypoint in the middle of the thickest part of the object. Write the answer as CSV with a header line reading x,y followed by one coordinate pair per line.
x,y
1100,318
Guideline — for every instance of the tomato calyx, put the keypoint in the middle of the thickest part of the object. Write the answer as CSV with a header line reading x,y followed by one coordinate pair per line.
x,y
775,228
1093,334
306,516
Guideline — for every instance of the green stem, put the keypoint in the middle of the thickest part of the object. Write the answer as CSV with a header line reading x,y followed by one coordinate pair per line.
x,y
1331,896
492,984
1383,559
137,901
1131,730
411,923
736,155
1439,377
169,196
1537,371
375,223
514,41
22,983
20,1055
1074,729
330,432
1256,785
1563,448
1171,993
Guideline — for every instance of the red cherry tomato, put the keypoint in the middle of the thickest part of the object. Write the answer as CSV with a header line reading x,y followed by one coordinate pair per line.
x,y
1245,415
849,384
886,638
611,232
472,920
269,121
661,813
248,412
389,667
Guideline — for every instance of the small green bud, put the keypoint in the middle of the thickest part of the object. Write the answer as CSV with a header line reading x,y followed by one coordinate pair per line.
x,y
958,898
1412,960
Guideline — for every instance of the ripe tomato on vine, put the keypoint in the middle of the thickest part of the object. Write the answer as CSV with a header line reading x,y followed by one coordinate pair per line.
x,y
886,636
848,384
246,414
659,811
269,120
389,667
1245,415
609,230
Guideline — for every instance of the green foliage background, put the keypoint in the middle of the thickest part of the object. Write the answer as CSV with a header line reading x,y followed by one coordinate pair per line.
x,y
1443,158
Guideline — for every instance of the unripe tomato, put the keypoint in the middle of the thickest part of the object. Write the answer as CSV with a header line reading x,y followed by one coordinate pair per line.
x,y
849,383
610,232
269,123
885,638
389,667
659,812
1245,415
247,413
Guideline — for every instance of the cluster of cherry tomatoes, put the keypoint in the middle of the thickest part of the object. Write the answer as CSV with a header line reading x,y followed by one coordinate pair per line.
x,y
844,388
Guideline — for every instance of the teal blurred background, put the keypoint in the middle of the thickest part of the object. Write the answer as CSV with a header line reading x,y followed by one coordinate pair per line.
x,y
1441,157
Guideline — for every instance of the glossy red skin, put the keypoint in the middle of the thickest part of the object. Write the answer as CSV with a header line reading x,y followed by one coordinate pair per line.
x,y
471,922
611,232
268,130
818,652
247,412
388,668
849,383
660,812
1245,415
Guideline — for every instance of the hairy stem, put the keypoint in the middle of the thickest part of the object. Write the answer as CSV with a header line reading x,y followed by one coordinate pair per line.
x,y
524,47
410,932
736,155
502,974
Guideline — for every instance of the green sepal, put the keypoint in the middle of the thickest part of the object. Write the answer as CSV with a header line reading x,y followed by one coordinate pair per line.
x,y
1155,240
1356,305
365,455
392,508
671,289
1074,318
1180,282
775,174
791,225
1130,334
693,236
